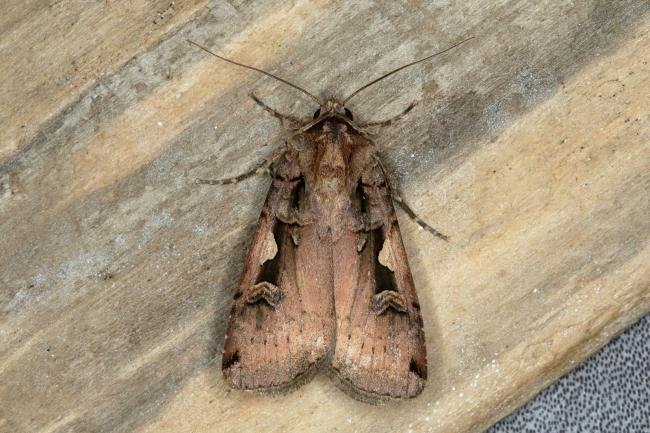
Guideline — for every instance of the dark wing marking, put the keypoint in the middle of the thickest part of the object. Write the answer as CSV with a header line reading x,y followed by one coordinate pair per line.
x,y
380,350
281,324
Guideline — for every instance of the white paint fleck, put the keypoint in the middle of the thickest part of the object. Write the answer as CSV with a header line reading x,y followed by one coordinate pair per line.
x,y
152,226
19,298
199,229
82,265
39,279
120,240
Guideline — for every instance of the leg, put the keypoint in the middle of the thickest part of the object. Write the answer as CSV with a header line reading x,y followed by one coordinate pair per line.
x,y
400,201
288,121
390,121
417,219
261,168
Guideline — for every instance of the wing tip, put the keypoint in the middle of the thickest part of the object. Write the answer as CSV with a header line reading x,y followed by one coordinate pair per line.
x,y
413,389
271,378
233,377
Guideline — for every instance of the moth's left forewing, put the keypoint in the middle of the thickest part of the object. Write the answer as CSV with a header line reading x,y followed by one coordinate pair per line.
x,y
281,327
380,350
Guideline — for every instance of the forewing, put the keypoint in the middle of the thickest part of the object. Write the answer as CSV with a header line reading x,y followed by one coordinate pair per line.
x,y
380,349
281,324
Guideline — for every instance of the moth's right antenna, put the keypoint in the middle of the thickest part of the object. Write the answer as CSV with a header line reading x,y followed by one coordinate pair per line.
x,y
402,67
258,70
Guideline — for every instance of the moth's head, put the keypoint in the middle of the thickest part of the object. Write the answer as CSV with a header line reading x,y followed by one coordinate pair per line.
x,y
332,107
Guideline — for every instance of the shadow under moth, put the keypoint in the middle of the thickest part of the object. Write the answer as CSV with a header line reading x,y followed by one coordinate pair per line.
x,y
327,282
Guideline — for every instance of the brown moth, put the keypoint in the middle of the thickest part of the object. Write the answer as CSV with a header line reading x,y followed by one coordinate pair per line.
x,y
327,281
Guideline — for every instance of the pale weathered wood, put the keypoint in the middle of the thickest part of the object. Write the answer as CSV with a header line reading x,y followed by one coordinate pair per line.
x,y
54,51
529,147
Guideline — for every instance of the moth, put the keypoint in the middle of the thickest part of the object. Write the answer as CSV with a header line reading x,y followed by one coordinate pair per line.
x,y
327,281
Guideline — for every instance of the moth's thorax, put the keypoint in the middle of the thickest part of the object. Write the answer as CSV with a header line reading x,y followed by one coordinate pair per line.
x,y
333,147
335,138
334,128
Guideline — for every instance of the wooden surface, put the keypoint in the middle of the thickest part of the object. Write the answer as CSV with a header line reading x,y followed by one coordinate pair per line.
x,y
529,147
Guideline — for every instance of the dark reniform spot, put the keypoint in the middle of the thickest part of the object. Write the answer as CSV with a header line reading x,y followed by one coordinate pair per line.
x,y
230,360
415,368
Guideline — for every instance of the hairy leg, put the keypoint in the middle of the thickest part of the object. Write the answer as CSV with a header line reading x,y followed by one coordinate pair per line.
x,y
263,167
392,183
390,121
288,122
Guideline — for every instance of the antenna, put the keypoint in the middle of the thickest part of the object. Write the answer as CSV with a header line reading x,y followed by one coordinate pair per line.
x,y
258,70
403,67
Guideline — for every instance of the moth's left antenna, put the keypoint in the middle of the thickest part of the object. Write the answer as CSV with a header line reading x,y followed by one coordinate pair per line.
x,y
258,70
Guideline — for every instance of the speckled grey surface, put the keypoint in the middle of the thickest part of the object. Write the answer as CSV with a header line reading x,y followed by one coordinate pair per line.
x,y
610,392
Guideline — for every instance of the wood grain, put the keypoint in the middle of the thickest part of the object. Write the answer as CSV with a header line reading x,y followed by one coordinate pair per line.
x,y
529,148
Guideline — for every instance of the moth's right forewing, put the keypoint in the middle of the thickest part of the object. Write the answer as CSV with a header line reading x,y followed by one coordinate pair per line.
x,y
281,324
380,351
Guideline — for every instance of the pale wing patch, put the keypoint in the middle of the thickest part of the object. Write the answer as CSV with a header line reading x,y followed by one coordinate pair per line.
x,y
386,256
269,248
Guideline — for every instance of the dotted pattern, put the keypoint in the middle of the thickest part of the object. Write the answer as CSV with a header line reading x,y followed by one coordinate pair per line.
x,y
610,392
